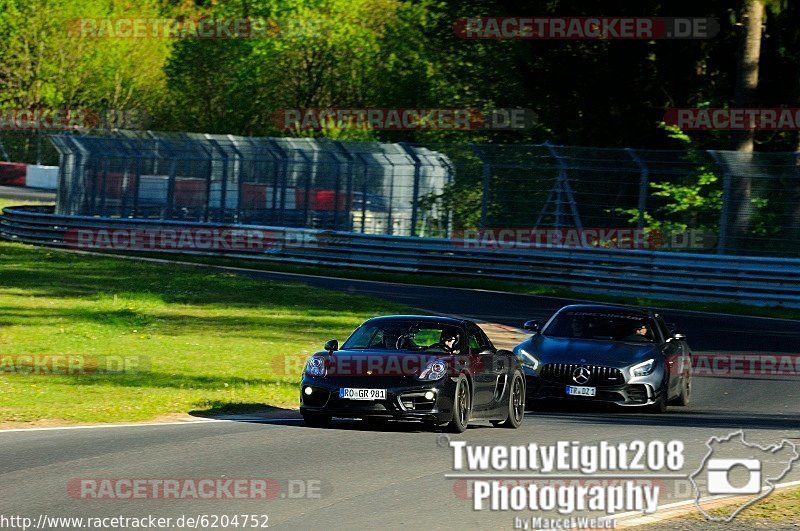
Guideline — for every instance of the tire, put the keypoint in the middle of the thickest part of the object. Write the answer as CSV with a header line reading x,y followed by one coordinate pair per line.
x,y
317,420
516,403
461,406
661,405
686,392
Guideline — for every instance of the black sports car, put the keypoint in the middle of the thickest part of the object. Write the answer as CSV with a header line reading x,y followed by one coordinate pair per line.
x,y
438,370
607,353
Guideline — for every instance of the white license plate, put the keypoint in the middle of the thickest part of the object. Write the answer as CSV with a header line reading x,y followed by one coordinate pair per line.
x,y
362,394
581,391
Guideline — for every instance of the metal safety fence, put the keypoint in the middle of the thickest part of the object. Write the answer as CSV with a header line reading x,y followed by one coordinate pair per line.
x,y
743,204
364,187
684,276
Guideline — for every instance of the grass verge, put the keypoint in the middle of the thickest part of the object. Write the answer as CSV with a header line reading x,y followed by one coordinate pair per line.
x,y
780,508
203,340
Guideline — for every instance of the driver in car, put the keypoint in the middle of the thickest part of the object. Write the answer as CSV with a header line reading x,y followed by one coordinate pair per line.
x,y
640,333
577,328
448,341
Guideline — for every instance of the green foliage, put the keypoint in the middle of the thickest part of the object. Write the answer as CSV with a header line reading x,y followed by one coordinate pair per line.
x,y
692,200
45,63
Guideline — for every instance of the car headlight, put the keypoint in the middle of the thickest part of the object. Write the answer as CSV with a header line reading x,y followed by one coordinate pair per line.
x,y
434,370
315,366
644,368
528,360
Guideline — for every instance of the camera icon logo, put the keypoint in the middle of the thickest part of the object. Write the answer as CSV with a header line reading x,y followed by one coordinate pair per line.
x,y
719,480
744,471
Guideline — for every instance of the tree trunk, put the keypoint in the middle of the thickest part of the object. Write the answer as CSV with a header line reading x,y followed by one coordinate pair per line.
x,y
745,96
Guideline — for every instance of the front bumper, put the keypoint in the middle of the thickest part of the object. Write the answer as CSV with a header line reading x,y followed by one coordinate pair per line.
x,y
640,393
405,398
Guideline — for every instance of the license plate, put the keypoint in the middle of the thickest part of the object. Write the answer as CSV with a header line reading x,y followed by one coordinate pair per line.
x,y
362,394
581,391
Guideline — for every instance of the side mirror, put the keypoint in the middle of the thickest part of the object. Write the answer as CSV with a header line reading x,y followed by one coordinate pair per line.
x,y
486,352
677,337
331,345
533,326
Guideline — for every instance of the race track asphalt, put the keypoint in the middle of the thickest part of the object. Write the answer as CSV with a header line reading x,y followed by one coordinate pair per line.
x,y
392,477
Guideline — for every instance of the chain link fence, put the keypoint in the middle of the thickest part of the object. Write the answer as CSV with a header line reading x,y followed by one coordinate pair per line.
x,y
738,203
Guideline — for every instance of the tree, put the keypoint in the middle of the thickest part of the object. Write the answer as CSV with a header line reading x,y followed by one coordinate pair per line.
x,y
747,63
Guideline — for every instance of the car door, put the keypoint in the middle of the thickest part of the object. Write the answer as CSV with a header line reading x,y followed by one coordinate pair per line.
x,y
482,361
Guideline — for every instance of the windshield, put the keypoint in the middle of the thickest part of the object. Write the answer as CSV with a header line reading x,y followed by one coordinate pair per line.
x,y
609,326
406,335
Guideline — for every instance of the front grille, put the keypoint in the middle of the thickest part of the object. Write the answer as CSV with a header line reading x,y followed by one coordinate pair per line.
x,y
598,375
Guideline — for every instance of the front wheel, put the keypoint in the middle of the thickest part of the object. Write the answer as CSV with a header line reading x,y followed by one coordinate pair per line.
x,y
686,391
661,404
461,405
516,402
317,420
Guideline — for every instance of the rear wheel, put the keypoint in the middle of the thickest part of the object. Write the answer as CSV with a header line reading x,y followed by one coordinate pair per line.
x,y
317,420
516,404
461,405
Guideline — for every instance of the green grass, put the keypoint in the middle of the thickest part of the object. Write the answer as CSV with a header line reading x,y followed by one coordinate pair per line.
x,y
211,339
777,508
17,202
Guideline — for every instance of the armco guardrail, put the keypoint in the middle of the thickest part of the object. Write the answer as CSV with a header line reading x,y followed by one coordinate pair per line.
x,y
686,276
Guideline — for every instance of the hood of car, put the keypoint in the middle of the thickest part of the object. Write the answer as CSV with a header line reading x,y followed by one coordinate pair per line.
x,y
379,362
587,351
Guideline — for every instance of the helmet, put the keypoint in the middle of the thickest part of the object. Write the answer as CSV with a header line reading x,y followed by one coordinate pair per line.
x,y
447,334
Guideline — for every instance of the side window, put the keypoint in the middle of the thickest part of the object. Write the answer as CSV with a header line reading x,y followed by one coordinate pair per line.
x,y
476,340
486,341
663,328
377,339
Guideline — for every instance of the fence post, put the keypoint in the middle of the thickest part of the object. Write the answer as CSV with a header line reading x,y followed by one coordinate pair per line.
x,y
350,194
644,176
236,175
365,168
487,183
415,198
38,142
726,197
450,176
561,187
104,191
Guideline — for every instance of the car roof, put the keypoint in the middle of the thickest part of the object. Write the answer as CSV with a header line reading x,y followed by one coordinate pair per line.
x,y
422,318
607,308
